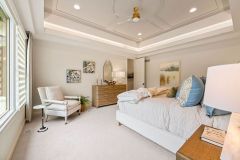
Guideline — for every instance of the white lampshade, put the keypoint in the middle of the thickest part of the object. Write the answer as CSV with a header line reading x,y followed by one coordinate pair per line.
x,y
223,87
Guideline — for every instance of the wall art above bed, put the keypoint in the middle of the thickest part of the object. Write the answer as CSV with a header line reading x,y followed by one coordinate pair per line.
x,y
73,76
170,74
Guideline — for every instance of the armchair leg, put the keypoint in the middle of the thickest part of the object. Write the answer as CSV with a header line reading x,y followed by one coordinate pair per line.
x,y
79,111
46,118
65,119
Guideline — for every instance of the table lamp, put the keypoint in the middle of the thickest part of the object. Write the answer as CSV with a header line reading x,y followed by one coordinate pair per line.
x,y
223,92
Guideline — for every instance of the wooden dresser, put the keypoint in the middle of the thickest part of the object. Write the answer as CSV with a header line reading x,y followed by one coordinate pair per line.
x,y
103,95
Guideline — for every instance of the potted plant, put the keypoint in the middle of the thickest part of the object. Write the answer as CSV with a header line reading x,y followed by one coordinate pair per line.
x,y
84,103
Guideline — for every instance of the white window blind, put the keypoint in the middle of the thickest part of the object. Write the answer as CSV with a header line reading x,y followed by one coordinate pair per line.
x,y
20,67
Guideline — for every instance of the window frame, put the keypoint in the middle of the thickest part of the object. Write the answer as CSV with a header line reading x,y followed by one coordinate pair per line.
x,y
11,73
8,78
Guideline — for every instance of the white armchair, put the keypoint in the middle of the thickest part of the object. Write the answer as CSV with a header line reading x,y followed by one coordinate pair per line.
x,y
57,104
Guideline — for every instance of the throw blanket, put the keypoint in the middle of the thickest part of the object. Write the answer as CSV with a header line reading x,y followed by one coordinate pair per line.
x,y
133,96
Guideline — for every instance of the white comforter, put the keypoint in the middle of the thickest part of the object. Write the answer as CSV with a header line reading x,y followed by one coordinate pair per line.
x,y
166,113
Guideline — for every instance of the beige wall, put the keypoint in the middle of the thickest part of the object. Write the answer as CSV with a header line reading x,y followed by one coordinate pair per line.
x,y
51,59
194,60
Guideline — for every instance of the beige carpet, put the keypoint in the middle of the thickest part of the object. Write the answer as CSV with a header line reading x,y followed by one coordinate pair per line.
x,y
94,135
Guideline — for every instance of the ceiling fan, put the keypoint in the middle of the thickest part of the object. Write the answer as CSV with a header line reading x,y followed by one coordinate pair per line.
x,y
136,15
134,18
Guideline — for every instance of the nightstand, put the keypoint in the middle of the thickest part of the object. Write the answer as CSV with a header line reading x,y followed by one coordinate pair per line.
x,y
196,149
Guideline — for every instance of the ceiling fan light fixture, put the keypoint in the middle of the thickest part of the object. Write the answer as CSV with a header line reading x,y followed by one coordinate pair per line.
x,y
135,19
76,6
136,14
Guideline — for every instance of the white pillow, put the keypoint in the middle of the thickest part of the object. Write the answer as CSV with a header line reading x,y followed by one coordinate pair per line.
x,y
143,92
54,93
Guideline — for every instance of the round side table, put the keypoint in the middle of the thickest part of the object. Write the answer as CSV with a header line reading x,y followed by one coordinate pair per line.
x,y
43,128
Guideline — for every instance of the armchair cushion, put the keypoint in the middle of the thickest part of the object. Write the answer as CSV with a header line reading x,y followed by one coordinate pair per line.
x,y
54,101
61,107
54,93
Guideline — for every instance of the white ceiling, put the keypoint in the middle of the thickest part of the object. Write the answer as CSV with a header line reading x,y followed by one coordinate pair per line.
x,y
157,16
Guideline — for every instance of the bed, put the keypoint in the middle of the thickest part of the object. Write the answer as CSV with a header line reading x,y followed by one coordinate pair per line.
x,y
164,121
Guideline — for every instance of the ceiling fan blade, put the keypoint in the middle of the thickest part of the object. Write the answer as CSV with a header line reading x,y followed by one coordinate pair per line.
x,y
113,9
152,23
124,21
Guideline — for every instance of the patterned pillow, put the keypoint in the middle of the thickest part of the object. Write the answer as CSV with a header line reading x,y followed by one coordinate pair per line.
x,y
190,92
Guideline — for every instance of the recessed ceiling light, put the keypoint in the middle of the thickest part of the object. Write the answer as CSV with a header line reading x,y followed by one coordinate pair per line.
x,y
139,34
193,9
76,6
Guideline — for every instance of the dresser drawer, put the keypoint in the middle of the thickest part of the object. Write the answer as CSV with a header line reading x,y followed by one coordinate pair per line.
x,y
106,94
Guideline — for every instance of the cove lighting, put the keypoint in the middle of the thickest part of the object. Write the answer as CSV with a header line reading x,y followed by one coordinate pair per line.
x,y
195,33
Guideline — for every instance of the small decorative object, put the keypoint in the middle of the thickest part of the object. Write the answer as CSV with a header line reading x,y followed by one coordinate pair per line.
x,y
97,79
84,103
89,67
73,76
110,82
213,136
170,74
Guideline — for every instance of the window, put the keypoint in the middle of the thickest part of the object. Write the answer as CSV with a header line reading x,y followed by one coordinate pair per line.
x,y
20,68
4,28
12,64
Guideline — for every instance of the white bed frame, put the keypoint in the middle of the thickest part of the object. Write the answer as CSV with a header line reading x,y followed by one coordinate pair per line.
x,y
159,136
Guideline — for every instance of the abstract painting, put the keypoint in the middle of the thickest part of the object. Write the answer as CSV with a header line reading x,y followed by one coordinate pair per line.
x,y
73,76
170,74
88,67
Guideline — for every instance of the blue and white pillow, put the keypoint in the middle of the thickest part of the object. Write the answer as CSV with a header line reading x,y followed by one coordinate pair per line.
x,y
210,111
190,92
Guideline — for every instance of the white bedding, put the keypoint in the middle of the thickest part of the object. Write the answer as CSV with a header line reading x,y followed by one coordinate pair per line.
x,y
166,113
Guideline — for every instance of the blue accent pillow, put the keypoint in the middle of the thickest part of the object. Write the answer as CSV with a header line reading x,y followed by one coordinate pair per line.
x,y
190,92
215,112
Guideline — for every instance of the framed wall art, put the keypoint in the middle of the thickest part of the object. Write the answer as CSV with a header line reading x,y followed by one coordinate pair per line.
x,y
89,66
73,76
170,74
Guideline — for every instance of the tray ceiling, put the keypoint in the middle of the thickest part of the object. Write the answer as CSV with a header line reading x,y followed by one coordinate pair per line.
x,y
157,16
